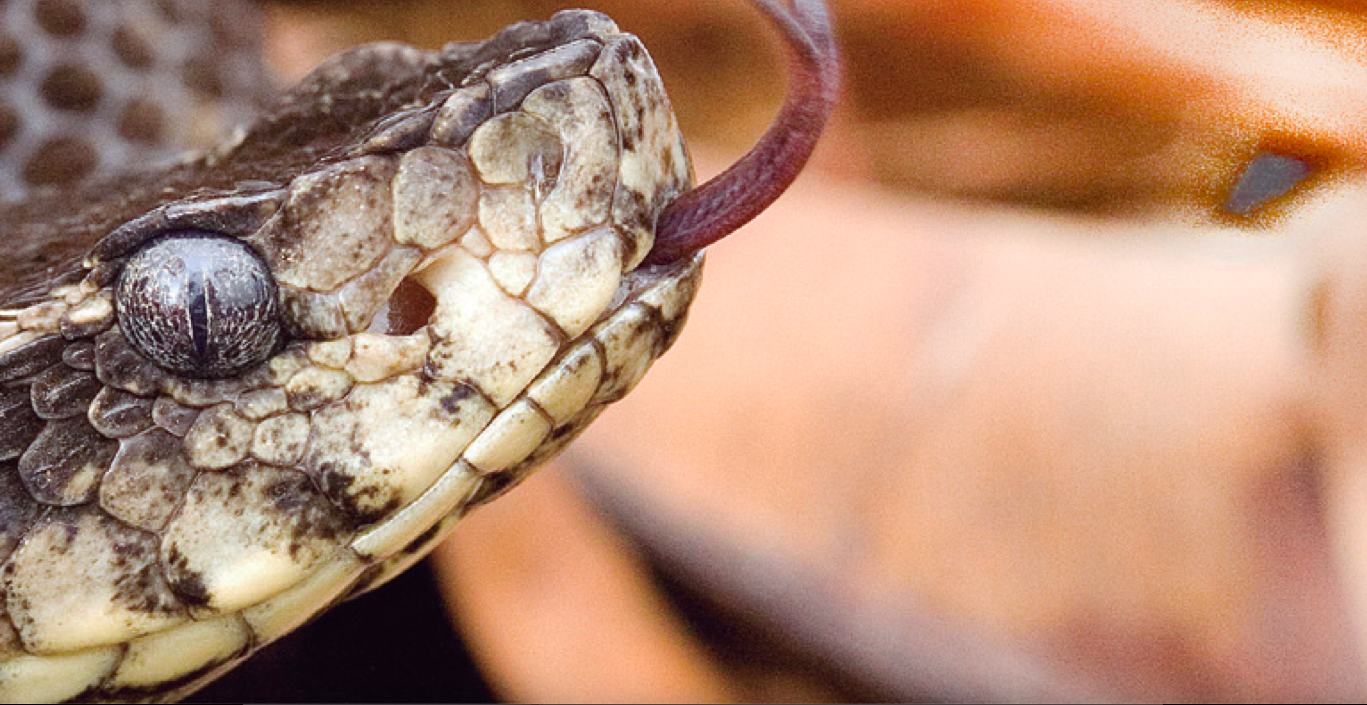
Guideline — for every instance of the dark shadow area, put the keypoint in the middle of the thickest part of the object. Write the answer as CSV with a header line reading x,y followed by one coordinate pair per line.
x,y
395,644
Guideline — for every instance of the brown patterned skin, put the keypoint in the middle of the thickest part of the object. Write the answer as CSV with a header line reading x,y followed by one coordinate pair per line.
x,y
89,88
157,528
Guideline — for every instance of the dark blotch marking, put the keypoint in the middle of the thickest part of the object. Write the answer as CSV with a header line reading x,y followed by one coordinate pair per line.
x,y
71,87
285,495
201,75
140,586
11,54
305,398
60,18
9,125
364,504
424,538
366,581
633,210
561,433
304,514
451,402
60,160
132,48
142,120
170,11
187,584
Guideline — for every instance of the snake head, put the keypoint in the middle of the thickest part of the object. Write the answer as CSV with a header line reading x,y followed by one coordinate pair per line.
x,y
286,368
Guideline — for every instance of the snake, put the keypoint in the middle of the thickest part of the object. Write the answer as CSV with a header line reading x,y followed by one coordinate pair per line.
x,y
241,384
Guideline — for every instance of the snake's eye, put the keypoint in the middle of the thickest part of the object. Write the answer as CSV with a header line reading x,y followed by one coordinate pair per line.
x,y
199,304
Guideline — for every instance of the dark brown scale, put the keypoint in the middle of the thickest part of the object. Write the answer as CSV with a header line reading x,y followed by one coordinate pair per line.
x,y
454,127
410,308
400,132
60,392
71,87
117,414
80,355
31,358
104,274
59,18
80,329
20,423
512,83
17,509
240,214
61,160
63,465
118,365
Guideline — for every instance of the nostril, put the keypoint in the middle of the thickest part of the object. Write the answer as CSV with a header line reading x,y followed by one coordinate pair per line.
x,y
410,308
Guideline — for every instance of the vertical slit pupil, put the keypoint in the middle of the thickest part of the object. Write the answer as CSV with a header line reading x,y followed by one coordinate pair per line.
x,y
198,300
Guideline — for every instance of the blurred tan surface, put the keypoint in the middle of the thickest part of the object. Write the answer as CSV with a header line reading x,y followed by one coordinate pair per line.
x,y
987,407
1041,429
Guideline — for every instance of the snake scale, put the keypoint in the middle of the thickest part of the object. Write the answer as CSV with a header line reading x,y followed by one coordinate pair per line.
x,y
249,383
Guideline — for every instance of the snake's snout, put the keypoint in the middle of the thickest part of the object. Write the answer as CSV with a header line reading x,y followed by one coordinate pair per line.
x,y
285,369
